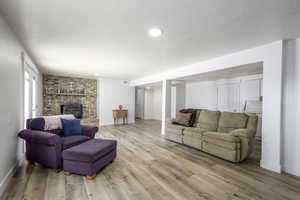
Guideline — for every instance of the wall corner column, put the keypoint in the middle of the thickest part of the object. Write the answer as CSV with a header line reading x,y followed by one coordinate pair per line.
x,y
166,103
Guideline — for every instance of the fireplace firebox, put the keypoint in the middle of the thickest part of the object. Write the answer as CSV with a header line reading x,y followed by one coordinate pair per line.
x,y
75,109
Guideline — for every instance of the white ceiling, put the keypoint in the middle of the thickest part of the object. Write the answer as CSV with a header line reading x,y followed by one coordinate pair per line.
x,y
109,37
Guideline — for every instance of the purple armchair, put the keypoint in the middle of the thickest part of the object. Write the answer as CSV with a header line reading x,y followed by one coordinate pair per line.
x,y
46,147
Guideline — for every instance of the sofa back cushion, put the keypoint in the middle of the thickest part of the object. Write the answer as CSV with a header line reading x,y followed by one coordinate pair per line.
x,y
50,124
71,127
230,121
184,119
208,120
54,121
198,111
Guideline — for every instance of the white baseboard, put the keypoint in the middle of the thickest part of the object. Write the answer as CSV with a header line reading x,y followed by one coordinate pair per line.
x,y
271,166
292,171
9,175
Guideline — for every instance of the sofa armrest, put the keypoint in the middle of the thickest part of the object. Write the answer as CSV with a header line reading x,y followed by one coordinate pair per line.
x,y
40,137
247,133
247,138
89,131
169,120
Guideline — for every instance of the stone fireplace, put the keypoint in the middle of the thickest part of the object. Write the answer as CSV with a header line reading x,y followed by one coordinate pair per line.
x,y
69,95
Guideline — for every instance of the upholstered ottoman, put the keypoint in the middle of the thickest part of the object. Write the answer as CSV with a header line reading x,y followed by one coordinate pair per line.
x,y
89,157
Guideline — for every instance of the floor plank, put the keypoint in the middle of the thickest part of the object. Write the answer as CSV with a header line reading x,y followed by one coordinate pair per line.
x,y
150,167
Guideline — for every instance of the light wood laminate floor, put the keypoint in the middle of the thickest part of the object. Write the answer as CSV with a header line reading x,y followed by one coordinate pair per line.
x,y
149,167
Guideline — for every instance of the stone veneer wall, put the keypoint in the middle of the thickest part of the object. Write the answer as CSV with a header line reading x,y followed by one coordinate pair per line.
x,y
58,90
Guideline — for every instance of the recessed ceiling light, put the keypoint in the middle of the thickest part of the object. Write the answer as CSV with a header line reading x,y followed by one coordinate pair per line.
x,y
155,32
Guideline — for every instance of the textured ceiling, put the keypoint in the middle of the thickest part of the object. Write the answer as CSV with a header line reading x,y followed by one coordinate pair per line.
x,y
109,37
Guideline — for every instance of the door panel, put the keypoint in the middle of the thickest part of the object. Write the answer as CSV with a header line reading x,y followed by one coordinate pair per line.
x,y
229,97
140,99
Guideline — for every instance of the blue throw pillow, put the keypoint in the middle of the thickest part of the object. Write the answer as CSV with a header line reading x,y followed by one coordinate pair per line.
x,y
71,127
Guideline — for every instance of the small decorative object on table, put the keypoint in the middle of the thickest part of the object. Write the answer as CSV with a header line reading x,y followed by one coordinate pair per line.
x,y
120,107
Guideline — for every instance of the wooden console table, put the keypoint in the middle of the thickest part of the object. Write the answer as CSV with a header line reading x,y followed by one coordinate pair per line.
x,y
117,114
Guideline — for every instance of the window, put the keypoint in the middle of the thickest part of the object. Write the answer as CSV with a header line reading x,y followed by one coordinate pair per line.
x,y
30,93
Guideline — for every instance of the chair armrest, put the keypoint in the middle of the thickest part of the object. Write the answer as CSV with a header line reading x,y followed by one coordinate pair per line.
x,y
247,133
40,137
89,131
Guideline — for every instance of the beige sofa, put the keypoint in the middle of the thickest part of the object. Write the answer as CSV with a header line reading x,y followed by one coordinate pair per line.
x,y
226,135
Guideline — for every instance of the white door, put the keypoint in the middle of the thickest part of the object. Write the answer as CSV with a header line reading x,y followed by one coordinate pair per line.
x,y
229,97
140,99
30,97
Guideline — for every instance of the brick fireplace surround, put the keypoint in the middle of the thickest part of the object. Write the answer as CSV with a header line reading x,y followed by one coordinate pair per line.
x,y
60,90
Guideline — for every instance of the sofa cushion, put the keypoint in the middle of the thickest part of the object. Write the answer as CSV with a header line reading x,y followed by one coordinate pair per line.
x,y
71,141
190,110
54,122
193,132
198,111
208,120
183,119
230,121
90,151
221,136
59,132
71,127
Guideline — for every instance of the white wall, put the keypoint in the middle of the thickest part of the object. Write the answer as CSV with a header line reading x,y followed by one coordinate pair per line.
x,y
173,102
291,107
202,95
148,103
153,103
11,102
113,93
178,96
209,94
157,103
